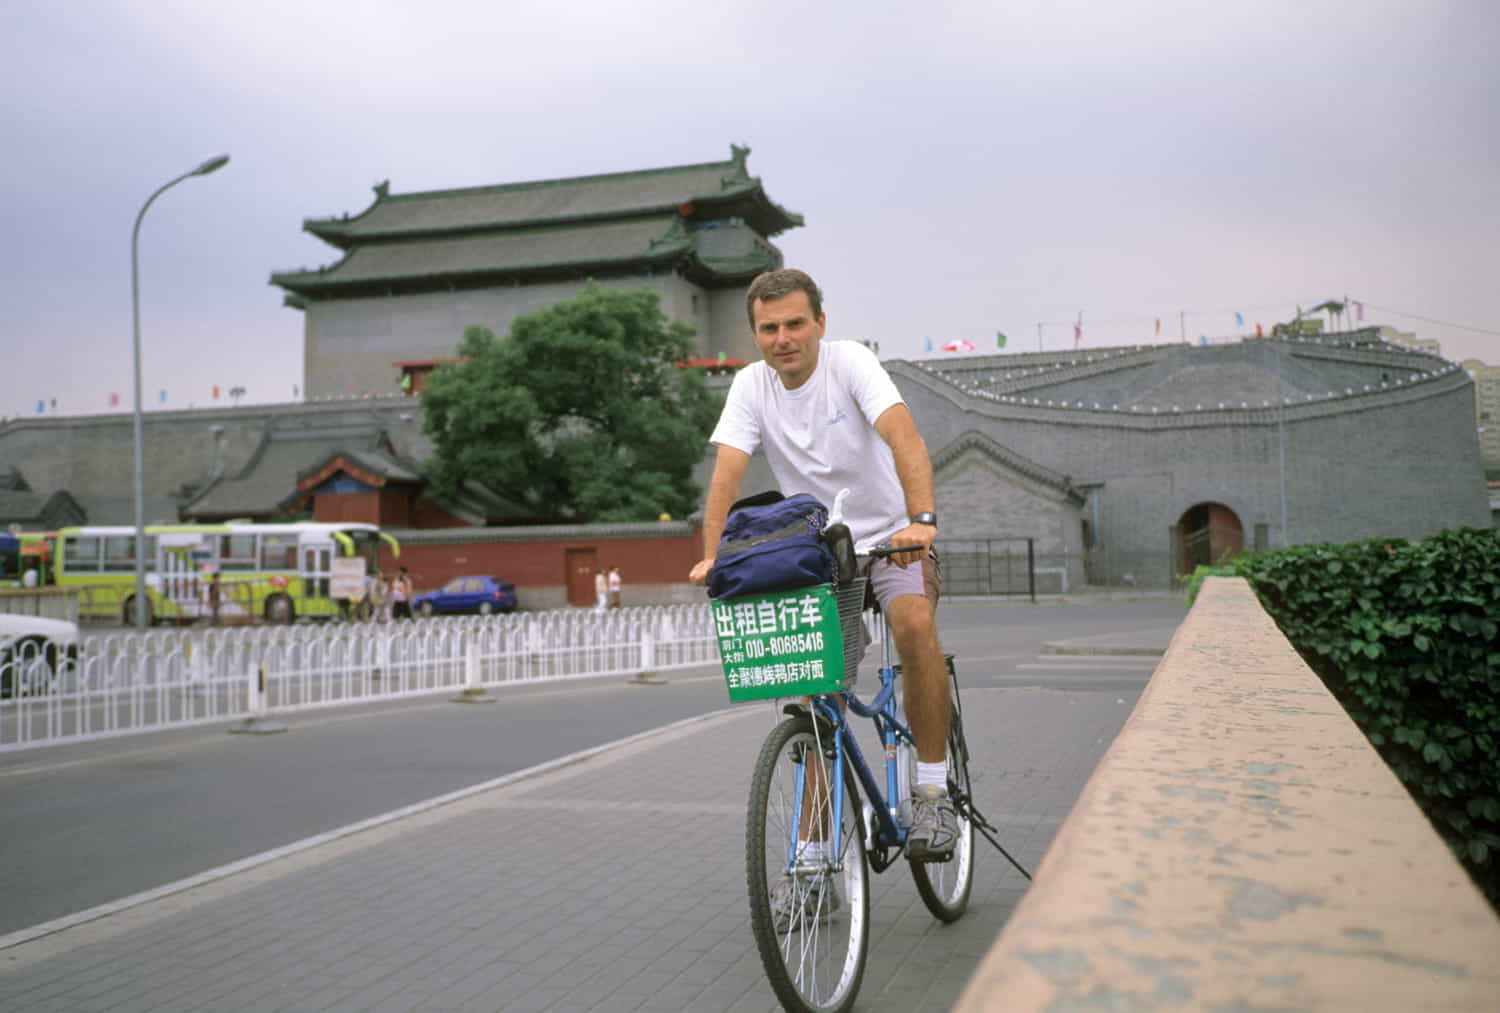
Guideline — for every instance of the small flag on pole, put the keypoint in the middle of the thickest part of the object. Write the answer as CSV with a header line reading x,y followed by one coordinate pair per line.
x,y
1203,339
1078,330
961,345
161,397
114,399
41,406
1258,332
1359,311
1239,321
929,344
1000,339
216,392
1158,327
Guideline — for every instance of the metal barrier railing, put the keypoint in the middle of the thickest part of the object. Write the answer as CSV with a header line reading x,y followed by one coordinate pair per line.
x,y
128,682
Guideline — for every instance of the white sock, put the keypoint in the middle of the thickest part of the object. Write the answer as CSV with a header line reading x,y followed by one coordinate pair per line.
x,y
933,775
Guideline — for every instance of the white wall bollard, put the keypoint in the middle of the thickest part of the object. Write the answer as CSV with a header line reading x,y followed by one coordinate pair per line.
x,y
258,723
473,691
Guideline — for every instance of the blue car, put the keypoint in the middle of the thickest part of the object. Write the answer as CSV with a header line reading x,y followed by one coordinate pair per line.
x,y
483,595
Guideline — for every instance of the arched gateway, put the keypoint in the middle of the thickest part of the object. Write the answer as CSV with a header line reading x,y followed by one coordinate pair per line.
x,y
1207,534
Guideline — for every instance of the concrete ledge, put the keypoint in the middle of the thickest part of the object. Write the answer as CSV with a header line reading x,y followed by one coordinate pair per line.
x,y
1241,847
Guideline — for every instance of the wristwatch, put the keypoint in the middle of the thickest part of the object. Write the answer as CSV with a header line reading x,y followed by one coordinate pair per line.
x,y
925,517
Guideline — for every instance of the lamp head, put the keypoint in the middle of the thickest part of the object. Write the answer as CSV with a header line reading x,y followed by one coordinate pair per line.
x,y
212,165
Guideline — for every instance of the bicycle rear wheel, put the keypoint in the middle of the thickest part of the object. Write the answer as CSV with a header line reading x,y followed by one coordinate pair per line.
x,y
944,886
810,915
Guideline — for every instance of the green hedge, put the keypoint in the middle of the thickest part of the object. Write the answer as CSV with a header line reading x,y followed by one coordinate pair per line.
x,y
1407,636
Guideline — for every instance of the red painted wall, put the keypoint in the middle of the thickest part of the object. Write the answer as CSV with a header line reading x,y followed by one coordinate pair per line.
x,y
539,569
336,507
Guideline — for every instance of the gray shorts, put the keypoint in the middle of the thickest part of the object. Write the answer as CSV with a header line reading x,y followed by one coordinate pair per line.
x,y
888,581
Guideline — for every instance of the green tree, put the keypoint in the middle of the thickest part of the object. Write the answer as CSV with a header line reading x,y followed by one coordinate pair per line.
x,y
582,414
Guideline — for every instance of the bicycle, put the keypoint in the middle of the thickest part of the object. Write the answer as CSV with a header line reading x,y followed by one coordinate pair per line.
x,y
811,838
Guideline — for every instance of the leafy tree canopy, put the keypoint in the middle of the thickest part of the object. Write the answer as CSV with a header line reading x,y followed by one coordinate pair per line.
x,y
581,414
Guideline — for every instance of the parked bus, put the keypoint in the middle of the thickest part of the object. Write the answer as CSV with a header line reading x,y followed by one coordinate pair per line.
x,y
278,572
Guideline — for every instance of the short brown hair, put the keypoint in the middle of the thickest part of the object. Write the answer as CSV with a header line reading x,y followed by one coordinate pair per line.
x,y
782,283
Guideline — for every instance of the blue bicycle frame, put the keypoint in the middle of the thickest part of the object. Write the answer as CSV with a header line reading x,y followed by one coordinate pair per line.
x,y
888,830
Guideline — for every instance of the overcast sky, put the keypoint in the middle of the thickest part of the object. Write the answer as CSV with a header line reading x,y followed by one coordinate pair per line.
x,y
963,168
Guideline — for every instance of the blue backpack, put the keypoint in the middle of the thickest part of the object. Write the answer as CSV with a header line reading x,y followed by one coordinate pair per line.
x,y
771,543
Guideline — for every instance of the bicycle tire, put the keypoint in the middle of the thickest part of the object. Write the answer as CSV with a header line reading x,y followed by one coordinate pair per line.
x,y
944,886
815,964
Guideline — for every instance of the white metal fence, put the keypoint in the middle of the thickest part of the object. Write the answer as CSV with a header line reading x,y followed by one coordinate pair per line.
x,y
130,682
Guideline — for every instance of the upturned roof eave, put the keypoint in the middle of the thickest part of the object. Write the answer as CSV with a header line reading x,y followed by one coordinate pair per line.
x,y
325,228
770,218
312,283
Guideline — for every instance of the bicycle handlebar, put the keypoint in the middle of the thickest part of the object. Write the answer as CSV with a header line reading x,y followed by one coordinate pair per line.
x,y
886,549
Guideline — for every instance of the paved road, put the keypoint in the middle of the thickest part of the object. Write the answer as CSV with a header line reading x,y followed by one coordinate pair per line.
x,y
609,885
89,823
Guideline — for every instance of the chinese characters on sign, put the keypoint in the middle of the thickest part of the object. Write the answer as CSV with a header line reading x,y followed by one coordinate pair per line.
x,y
785,644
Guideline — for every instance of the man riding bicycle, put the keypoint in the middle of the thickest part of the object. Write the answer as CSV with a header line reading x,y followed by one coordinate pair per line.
x,y
829,417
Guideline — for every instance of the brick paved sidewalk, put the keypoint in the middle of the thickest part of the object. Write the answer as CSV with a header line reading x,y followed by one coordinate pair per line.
x,y
613,884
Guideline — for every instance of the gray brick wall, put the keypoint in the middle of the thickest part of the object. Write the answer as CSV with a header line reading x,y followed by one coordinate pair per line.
x,y
1403,462
354,341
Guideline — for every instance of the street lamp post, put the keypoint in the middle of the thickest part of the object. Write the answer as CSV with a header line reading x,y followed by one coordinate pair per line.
x,y
140,606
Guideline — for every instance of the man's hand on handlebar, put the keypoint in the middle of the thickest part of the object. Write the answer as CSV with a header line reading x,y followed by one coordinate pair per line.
x,y
699,573
916,537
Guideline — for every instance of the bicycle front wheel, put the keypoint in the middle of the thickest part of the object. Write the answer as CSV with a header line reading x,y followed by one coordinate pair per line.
x,y
809,898
944,886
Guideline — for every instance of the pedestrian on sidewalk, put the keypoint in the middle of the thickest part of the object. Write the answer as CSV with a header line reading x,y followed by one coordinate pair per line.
x,y
401,596
601,590
614,587
215,595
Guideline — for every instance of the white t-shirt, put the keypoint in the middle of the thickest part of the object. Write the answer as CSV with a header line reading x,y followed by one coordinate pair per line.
x,y
821,437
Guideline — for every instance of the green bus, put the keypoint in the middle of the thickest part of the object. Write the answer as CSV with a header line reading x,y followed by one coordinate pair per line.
x,y
276,572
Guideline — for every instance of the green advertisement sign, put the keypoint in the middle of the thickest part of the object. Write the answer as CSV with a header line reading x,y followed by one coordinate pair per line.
x,y
782,644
